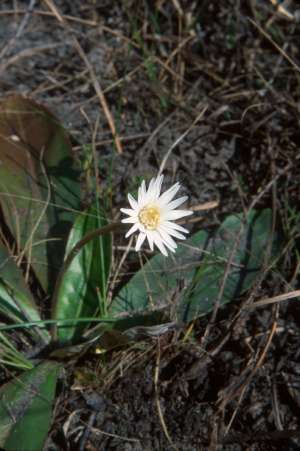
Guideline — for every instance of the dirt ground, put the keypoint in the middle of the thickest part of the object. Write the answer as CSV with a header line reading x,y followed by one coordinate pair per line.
x,y
223,79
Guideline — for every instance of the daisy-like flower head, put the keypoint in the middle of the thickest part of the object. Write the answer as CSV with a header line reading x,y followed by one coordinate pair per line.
x,y
153,215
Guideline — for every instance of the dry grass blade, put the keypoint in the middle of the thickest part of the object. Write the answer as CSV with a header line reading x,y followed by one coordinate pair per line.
x,y
94,79
206,206
28,53
282,10
20,29
242,390
280,50
159,409
178,140
275,299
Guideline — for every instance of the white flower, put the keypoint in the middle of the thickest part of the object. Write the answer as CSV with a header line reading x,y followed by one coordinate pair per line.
x,y
152,215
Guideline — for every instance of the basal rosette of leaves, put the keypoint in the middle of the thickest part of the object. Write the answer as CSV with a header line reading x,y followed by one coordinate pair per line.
x,y
56,264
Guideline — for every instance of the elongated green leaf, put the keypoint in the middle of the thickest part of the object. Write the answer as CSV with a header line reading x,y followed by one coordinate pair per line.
x,y
39,187
25,408
189,283
16,301
81,291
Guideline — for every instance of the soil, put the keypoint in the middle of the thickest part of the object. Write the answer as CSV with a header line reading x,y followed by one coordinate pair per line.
x,y
222,78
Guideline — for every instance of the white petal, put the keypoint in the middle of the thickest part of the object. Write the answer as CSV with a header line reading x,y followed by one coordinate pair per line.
x,y
151,193
129,212
151,185
150,239
175,203
168,195
167,239
132,229
159,243
176,214
176,234
174,226
139,241
158,184
142,194
130,220
133,202
142,228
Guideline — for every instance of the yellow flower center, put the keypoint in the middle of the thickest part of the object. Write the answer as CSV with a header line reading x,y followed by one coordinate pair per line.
x,y
149,217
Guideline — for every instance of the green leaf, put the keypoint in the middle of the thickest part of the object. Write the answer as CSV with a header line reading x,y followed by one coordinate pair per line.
x,y
26,407
82,292
160,281
247,241
39,187
16,301
188,284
